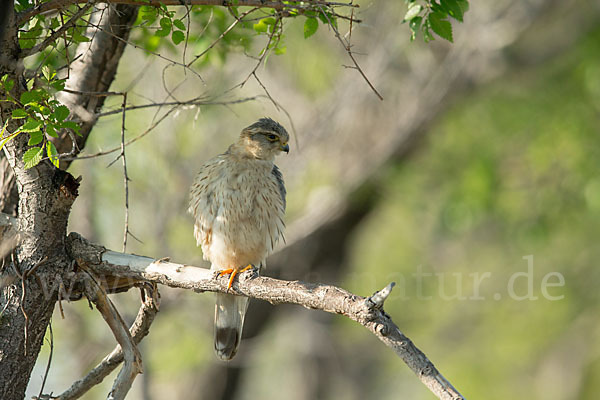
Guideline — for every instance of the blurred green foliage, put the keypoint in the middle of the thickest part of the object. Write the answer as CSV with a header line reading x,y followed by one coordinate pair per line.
x,y
509,172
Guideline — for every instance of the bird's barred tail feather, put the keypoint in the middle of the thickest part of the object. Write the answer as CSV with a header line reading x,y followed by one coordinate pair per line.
x,y
230,311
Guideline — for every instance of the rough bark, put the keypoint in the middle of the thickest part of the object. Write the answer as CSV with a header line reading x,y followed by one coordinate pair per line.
x,y
95,70
42,197
46,196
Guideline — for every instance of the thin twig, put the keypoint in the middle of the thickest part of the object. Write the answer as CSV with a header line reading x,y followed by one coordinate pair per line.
x,y
262,56
49,360
130,141
349,51
279,107
99,28
62,21
222,35
175,105
125,176
277,5
193,102
59,32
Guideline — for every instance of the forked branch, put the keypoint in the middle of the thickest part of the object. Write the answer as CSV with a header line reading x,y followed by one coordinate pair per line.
x,y
132,365
139,329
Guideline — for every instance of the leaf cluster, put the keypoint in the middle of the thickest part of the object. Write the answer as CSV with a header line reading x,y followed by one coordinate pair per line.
x,y
432,16
41,116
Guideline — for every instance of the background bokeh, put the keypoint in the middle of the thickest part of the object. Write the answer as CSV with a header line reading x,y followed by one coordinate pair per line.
x,y
474,185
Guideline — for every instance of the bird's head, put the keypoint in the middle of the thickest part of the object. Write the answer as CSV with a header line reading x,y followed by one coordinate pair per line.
x,y
264,139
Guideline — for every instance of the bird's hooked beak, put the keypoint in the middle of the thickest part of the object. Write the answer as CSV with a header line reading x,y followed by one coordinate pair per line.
x,y
284,147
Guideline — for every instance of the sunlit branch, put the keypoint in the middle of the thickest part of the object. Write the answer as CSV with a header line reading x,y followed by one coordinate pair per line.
x,y
132,270
276,5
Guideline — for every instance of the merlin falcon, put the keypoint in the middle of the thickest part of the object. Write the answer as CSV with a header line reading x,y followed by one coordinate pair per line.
x,y
238,203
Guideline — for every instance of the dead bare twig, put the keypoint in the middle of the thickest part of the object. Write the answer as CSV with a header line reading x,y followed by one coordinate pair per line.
x,y
347,47
51,342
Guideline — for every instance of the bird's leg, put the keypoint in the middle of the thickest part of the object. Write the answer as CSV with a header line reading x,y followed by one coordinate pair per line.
x,y
249,266
233,272
225,272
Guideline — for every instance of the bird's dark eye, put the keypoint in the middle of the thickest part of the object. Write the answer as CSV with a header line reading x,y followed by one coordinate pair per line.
x,y
272,137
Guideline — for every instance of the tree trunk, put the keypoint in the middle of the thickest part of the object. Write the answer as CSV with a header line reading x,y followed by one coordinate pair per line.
x,y
41,198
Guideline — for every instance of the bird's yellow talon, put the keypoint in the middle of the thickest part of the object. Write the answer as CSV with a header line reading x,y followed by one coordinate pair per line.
x,y
225,272
249,266
233,273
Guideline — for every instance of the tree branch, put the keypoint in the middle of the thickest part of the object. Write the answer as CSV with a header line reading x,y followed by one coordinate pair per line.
x,y
59,32
119,271
139,329
131,356
277,5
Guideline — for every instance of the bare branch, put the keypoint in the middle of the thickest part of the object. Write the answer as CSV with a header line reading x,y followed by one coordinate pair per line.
x,y
175,105
51,342
139,329
368,312
131,356
193,102
347,47
125,176
277,5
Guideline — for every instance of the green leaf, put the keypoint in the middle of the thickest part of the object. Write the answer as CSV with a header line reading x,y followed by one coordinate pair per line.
x,y
78,37
26,43
32,96
260,26
427,36
177,37
8,138
454,9
414,25
310,27
58,85
165,27
54,23
48,72
328,18
52,154
413,10
149,13
7,84
19,113
33,156
280,50
61,113
51,130
35,137
464,5
440,26
31,125
70,125
179,24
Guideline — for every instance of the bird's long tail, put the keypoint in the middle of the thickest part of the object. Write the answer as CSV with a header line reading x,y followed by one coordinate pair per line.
x,y
230,311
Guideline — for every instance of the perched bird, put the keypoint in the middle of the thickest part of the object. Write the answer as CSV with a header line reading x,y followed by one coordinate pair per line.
x,y
238,202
